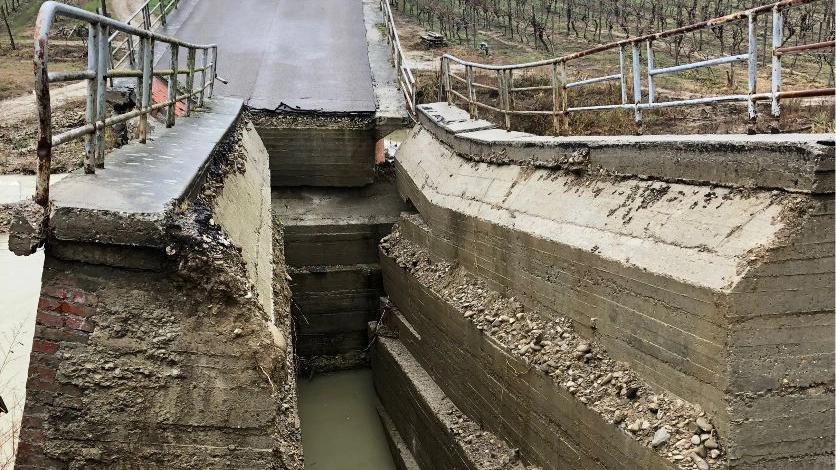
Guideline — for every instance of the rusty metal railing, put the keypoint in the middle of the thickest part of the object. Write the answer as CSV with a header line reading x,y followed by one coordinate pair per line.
x,y
98,59
557,72
152,14
405,78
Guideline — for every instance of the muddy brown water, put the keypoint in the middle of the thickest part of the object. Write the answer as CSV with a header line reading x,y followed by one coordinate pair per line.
x,y
340,426
20,285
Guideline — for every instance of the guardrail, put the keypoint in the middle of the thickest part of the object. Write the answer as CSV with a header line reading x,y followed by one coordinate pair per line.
x,y
98,58
560,85
149,16
405,78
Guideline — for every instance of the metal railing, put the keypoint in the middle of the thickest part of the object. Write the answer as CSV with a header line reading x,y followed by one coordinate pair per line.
x,y
405,78
152,14
560,85
98,59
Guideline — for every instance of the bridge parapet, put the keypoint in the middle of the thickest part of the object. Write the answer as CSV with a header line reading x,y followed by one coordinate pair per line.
x,y
792,162
99,72
494,88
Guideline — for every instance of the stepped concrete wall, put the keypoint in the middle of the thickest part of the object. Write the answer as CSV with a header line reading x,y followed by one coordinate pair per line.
x,y
722,295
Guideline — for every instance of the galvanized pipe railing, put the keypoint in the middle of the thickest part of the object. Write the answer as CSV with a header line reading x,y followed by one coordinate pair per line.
x,y
405,78
560,85
149,16
96,75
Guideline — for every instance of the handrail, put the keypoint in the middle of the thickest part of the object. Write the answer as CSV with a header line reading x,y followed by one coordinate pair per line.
x,y
151,17
405,77
98,59
559,83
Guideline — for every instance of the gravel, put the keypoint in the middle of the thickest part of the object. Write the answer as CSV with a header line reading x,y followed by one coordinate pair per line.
x,y
580,365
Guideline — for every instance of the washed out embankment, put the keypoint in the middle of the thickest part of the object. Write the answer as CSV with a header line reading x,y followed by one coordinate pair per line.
x,y
173,353
682,286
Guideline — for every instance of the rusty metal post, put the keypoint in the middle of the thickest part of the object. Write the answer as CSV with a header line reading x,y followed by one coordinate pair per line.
x,y
637,82
445,72
555,104
147,80
131,52
564,98
162,12
651,64
505,90
44,104
205,57
146,17
471,106
622,68
171,112
101,89
190,60
90,109
753,67
777,40
140,86
214,71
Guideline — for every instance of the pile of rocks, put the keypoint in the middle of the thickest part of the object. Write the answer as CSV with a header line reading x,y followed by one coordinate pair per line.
x,y
662,421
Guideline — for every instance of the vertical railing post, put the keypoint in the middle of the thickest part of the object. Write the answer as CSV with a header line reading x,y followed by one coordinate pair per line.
x,y
139,80
147,79
205,58
445,72
622,67
471,95
753,67
637,82
651,65
190,61
564,98
146,17
131,52
777,41
101,89
555,104
162,12
90,109
214,72
44,121
508,78
171,112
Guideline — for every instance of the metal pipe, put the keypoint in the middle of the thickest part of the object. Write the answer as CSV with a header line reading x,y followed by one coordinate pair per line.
x,y
777,40
147,65
205,58
637,82
171,113
700,64
92,84
622,75
651,65
101,89
753,66
190,60
590,81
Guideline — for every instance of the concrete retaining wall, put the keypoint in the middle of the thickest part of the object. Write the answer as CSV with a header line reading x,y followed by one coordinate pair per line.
x,y
181,366
721,295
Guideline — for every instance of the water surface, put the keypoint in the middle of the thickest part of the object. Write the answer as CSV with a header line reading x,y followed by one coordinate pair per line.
x,y
340,426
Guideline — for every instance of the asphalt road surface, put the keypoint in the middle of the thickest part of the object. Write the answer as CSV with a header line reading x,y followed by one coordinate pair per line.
x,y
309,55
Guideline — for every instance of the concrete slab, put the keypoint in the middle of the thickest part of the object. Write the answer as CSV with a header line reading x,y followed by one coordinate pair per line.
x,y
391,105
265,46
125,202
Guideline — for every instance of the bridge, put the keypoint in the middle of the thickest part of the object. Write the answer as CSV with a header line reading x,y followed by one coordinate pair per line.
x,y
523,301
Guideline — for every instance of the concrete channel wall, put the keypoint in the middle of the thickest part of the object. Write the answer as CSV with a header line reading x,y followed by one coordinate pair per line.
x,y
712,278
169,351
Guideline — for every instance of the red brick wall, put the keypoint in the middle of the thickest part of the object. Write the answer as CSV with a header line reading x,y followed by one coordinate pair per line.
x,y
65,315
